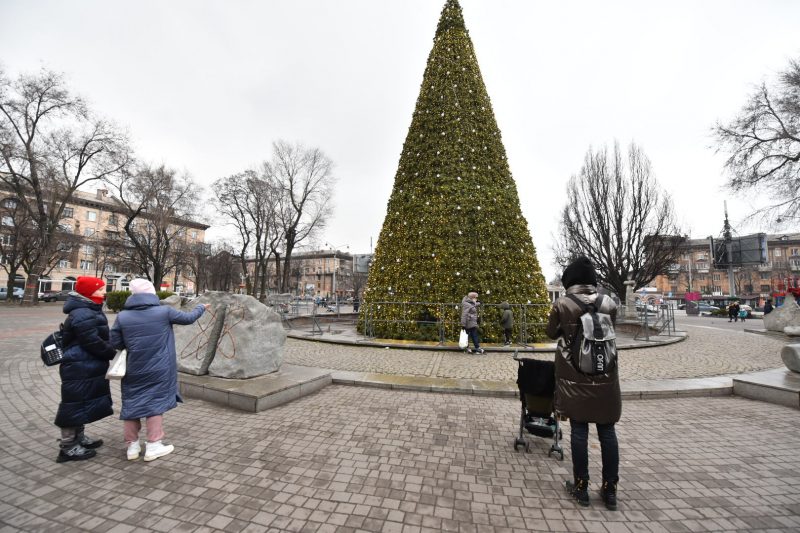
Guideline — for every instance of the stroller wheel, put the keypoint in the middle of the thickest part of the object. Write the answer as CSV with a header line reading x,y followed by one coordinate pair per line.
x,y
518,443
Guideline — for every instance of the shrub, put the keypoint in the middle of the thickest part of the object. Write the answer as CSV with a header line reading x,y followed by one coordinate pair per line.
x,y
115,300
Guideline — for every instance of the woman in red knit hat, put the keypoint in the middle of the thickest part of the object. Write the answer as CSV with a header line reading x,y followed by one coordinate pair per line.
x,y
85,393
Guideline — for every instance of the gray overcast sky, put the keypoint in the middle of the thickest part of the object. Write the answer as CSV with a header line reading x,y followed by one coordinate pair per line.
x,y
206,86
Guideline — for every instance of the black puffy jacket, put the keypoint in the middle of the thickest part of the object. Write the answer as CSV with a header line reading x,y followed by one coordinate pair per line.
x,y
85,393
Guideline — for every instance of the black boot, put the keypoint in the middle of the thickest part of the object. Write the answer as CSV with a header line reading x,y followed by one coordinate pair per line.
x,y
73,451
609,494
579,489
89,443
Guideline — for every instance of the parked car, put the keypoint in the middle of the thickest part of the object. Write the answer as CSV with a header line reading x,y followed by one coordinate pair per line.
x,y
48,296
16,295
707,308
650,308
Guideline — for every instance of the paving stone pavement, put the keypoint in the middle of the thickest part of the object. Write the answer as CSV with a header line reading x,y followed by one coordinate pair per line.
x,y
707,352
352,459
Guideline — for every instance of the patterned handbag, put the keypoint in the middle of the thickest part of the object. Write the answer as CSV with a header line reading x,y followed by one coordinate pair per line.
x,y
52,349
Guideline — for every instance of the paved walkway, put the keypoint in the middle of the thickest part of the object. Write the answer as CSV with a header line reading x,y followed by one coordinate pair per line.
x,y
360,459
707,352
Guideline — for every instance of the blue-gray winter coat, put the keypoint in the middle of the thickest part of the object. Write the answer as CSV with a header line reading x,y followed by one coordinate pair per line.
x,y
85,394
144,328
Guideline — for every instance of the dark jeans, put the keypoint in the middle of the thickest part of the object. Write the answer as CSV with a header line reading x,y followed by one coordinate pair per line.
x,y
609,449
507,334
473,335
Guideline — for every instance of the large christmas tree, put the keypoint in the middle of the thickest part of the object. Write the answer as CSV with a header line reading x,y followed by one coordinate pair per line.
x,y
453,222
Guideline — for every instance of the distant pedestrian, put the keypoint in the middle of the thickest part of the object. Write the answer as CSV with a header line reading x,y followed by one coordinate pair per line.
x,y
768,307
356,304
732,312
583,398
736,309
507,322
85,393
469,320
150,385
742,314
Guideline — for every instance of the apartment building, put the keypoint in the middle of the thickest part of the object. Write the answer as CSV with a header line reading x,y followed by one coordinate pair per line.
x,y
322,273
754,284
102,250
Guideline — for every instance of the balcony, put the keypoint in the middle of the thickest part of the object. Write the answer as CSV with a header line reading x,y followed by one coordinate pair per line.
x,y
702,268
765,268
674,268
794,267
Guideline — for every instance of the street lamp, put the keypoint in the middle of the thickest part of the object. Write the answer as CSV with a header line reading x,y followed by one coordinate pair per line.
x,y
335,251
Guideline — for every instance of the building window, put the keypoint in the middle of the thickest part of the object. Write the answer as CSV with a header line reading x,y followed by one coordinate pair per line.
x,y
68,212
86,265
63,264
748,288
10,203
6,221
6,240
88,232
701,277
794,251
776,252
112,220
704,288
765,288
109,268
717,277
88,250
91,216
717,288
194,234
66,228
764,275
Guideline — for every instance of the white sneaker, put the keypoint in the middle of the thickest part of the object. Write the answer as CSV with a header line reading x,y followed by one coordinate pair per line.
x,y
154,450
134,449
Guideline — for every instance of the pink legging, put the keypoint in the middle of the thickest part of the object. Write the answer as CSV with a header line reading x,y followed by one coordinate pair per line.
x,y
155,429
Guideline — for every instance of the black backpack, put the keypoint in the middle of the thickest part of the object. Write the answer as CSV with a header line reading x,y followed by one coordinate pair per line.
x,y
593,349
52,349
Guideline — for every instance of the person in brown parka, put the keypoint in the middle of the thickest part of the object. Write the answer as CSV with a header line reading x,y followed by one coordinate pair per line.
x,y
585,399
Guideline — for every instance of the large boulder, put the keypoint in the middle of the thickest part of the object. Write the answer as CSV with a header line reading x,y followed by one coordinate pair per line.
x,y
238,338
251,340
196,343
786,315
791,357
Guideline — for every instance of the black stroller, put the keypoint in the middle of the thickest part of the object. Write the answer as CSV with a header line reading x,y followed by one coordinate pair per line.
x,y
537,383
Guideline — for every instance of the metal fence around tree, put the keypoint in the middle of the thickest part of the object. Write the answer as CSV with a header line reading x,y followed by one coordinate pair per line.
x,y
441,322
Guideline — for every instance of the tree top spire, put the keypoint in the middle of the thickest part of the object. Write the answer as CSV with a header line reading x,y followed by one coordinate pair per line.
x,y
451,18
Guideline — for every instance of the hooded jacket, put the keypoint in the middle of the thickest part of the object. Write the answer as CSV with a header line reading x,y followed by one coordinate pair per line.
x,y
144,328
507,318
469,313
85,393
580,397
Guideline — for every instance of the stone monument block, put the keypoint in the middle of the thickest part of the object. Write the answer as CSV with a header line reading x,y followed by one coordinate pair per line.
x,y
791,356
196,344
250,341
786,315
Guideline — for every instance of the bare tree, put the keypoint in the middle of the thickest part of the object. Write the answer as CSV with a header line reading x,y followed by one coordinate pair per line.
x,y
763,143
618,217
17,239
250,201
157,201
304,178
50,146
224,269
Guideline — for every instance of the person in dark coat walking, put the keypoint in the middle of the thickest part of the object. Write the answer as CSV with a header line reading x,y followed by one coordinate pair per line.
x,y
85,393
585,399
469,320
150,385
507,322
768,307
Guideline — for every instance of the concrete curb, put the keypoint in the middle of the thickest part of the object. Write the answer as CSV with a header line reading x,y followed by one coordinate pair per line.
x,y
631,390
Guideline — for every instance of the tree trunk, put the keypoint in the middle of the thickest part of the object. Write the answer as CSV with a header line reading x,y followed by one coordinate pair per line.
x,y
12,277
